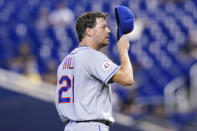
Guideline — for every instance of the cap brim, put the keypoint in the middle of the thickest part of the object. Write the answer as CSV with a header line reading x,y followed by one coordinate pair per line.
x,y
119,32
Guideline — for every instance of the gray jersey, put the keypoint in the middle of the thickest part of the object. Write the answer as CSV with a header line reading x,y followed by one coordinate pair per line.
x,y
83,90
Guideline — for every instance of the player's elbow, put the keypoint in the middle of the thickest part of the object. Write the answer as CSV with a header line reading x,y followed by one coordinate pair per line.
x,y
128,80
123,78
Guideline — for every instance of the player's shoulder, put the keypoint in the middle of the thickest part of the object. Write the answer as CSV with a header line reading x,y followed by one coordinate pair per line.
x,y
97,54
85,51
80,50
62,63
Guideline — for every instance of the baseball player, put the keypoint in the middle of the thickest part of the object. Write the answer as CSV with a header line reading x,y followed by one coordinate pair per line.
x,y
83,93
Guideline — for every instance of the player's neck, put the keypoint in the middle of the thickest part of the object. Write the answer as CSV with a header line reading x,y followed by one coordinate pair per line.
x,y
90,44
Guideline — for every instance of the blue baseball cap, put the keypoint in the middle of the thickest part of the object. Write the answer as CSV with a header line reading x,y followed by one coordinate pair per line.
x,y
124,19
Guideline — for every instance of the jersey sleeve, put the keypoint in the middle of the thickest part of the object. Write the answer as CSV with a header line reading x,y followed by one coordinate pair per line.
x,y
101,67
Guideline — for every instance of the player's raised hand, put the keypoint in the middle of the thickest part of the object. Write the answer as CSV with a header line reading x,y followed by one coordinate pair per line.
x,y
123,44
124,76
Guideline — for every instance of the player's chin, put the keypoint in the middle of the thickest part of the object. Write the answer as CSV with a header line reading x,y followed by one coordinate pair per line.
x,y
106,42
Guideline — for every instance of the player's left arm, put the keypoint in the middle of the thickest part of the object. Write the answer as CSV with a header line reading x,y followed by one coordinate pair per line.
x,y
124,75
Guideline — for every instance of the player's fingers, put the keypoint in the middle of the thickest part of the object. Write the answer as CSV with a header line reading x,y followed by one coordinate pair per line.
x,y
124,39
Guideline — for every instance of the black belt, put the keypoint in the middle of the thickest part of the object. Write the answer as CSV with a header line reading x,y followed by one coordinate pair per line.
x,y
107,123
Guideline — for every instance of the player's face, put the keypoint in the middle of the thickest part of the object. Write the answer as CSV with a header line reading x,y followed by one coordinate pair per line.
x,y
101,32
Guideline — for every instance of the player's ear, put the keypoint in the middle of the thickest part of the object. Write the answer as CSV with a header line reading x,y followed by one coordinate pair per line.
x,y
89,31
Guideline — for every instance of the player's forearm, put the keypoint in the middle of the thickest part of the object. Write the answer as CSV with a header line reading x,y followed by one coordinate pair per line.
x,y
126,66
124,75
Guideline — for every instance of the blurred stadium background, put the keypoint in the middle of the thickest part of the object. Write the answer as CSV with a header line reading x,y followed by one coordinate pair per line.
x,y
35,35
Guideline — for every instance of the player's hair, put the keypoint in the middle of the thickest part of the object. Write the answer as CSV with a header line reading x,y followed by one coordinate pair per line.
x,y
87,20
